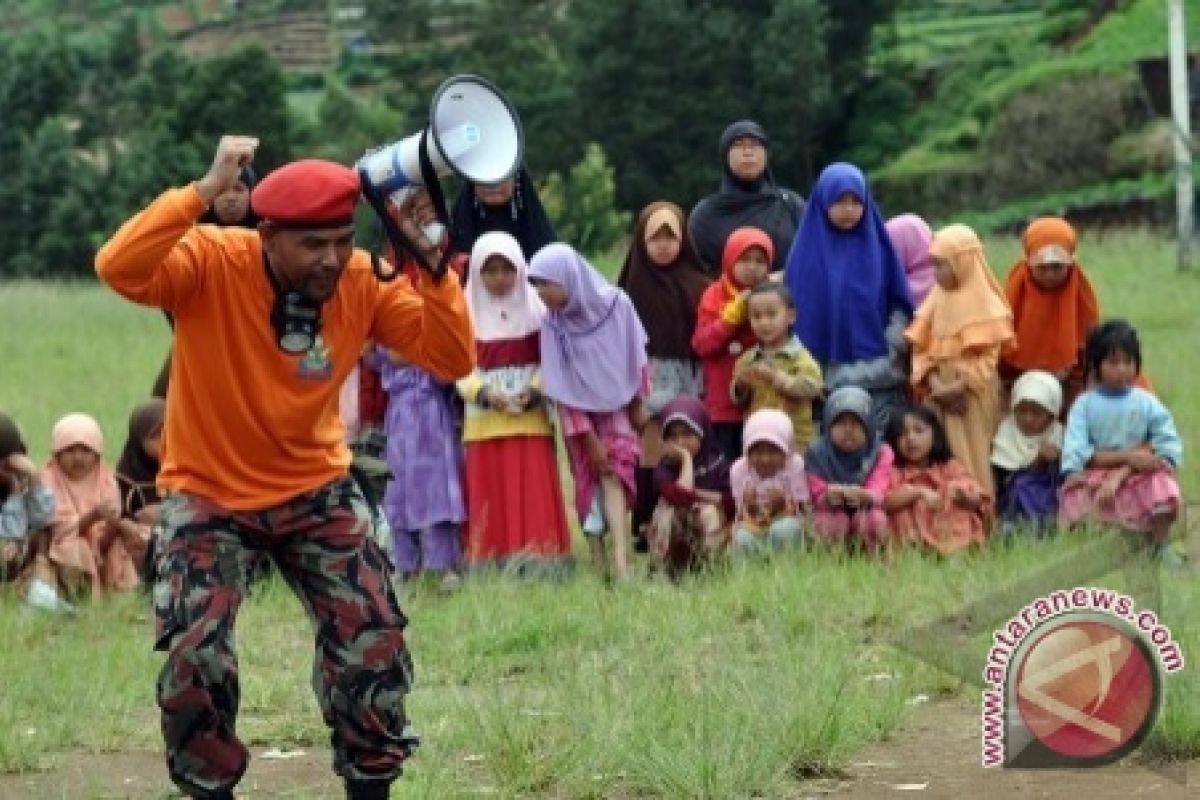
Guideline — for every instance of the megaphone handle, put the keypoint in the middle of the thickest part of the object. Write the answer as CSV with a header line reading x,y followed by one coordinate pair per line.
x,y
396,236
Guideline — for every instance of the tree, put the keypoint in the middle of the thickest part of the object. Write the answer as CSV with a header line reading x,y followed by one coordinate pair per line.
x,y
582,205
659,123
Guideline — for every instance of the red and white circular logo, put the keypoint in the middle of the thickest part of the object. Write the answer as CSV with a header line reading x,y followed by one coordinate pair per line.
x,y
1087,687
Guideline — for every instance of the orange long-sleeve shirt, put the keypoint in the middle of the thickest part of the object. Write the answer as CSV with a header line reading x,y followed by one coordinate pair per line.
x,y
248,425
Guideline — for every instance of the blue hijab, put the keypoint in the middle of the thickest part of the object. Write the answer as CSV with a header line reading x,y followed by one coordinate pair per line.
x,y
846,283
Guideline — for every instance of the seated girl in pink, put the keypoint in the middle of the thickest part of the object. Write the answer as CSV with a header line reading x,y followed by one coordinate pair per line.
x,y
91,546
932,501
849,468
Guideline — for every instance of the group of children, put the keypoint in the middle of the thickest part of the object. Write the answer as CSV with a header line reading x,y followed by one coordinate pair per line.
x,y
884,389
694,403
76,526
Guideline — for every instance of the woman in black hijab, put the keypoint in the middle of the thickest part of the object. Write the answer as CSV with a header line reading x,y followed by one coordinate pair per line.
x,y
511,206
749,197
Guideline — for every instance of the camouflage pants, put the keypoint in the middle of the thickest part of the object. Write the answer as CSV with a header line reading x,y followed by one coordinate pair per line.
x,y
362,669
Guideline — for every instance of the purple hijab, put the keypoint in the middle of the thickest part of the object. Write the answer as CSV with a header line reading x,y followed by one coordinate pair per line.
x,y
594,348
911,236
710,468
846,283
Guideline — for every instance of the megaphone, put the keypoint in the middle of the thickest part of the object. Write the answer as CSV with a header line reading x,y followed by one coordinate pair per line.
x,y
473,132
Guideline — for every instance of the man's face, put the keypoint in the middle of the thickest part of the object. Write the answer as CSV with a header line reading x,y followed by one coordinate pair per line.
x,y
310,261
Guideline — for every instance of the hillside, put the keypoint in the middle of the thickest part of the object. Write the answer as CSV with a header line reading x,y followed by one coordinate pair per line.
x,y
1019,108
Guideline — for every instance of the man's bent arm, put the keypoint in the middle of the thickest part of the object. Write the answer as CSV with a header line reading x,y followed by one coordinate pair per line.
x,y
150,260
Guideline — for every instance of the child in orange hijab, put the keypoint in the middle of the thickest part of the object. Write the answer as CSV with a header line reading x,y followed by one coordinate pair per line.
x,y
1054,307
723,329
958,335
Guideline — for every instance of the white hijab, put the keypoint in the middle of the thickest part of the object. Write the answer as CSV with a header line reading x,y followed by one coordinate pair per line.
x,y
499,318
1013,450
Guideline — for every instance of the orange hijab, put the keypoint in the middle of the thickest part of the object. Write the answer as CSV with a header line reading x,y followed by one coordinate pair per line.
x,y
974,314
738,243
1052,326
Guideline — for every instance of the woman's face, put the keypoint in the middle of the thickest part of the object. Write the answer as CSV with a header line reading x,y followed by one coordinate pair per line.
x,y
681,435
152,445
846,212
848,434
916,440
554,297
944,273
1051,275
495,194
663,247
747,159
499,276
1031,418
766,459
77,461
232,205
752,268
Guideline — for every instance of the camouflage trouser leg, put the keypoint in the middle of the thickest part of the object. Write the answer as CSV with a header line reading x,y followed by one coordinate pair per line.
x,y
362,669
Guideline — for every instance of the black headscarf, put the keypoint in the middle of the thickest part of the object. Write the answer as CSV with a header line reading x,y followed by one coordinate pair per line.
x,y
210,217
665,298
738,204
523,217
137,471
10,443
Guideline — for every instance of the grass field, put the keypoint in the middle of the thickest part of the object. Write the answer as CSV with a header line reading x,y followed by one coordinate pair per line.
x,y
741,683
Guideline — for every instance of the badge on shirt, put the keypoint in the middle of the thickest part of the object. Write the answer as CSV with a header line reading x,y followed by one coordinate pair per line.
x,y
315,366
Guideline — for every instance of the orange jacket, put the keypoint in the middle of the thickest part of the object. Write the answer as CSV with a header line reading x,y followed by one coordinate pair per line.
x,y
248,425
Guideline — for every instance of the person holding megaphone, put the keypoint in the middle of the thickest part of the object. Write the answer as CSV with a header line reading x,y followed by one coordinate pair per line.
x,y
268,323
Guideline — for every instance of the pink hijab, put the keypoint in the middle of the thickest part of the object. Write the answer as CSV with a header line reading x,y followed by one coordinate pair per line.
x,y
73,499
911,237
499,318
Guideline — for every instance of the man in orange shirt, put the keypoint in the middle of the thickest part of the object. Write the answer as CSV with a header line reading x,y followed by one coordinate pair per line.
x,y
268,323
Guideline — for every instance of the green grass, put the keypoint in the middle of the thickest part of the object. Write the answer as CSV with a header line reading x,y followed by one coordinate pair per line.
x,y
735,684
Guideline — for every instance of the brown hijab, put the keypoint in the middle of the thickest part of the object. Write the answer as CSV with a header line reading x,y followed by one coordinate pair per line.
x,y
137,470
665,297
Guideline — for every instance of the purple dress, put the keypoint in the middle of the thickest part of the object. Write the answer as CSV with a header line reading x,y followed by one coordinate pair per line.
x,y
424,499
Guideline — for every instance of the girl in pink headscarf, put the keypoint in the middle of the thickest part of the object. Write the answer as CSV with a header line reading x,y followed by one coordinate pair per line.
x,y
593,351
911,237
91,546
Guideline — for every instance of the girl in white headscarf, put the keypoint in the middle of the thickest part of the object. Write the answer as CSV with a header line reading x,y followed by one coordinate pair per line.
x,y
1026,451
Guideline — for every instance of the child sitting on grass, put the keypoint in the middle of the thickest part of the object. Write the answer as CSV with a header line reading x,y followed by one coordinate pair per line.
x,y
932,501
849,468
1026,452
769,486
691,522
1121,448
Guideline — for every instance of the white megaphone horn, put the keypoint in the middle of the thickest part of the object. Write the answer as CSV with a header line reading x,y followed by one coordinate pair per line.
x,y
473,132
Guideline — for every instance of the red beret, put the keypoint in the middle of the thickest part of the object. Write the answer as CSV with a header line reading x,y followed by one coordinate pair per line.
x,y
307,194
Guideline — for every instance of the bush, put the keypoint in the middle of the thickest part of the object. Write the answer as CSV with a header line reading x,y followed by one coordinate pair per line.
x,y
1058,136
582,205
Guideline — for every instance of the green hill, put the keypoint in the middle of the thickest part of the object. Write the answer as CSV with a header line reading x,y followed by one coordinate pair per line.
x,y
1020,108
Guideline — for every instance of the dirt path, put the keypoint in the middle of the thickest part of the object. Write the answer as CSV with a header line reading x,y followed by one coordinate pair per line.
x,y
142,775
936,755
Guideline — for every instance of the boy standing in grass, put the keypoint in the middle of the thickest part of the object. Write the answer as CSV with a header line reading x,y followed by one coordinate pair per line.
x,y
268,324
